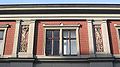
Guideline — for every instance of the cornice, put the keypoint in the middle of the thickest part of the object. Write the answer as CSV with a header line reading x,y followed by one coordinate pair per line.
x,y
59,6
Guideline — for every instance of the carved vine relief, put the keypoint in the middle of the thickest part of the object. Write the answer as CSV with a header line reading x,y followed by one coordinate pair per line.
x,y
98,38
24,38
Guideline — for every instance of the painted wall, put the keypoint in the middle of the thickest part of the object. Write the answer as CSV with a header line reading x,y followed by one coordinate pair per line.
x,y
9,37
113,36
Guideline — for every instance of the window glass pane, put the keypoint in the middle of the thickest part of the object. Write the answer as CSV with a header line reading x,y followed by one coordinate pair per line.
x,y
73,47
66,47
72,34
49,34
48,50
65,34
1,34
56,34
52,42
1,42
56,43
56,47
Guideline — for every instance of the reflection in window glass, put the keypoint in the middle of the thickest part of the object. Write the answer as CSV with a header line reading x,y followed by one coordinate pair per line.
x,y
1,38
48,47
66,48
1,34
69,42
65,34
73,47
72,34
56,34
49,34
56,47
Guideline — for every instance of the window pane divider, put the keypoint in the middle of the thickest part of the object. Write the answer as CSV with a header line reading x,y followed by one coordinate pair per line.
x,y
60,43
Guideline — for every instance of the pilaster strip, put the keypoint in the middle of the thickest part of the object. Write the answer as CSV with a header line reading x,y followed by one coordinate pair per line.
x,y
16,39
105,35
91,39
31,38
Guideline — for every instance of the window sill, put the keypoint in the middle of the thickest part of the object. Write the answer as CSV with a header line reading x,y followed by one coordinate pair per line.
x,y
80,56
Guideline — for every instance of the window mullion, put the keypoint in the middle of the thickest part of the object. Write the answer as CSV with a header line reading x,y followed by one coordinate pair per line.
x,y
77,41
52,42
60,41
69,42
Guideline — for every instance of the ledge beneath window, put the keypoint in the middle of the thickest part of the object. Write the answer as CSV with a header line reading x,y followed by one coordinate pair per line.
x,y
60,59
24,55
82,58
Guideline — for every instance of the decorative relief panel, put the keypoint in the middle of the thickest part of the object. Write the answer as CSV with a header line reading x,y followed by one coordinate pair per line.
x,y
24,38
98,38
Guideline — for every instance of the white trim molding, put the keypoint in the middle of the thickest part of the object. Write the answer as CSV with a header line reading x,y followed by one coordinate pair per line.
x,y
60,7
105,36
31,38
62,27
90,37
58,16
16,39
4,28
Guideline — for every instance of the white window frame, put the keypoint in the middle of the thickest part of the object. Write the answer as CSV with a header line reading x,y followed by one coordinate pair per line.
x,y
3,27
62,27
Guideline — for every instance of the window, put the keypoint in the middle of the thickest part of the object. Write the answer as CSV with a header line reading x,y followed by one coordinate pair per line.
x,y
1,38
52,42
61,40
69,42
3,30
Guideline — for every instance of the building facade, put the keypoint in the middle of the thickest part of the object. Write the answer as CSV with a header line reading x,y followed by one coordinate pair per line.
x,y
55,35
